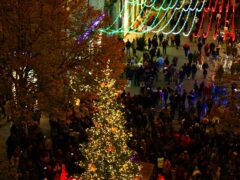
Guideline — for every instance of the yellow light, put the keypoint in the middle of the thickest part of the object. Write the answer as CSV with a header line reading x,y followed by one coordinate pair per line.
x,y
77,102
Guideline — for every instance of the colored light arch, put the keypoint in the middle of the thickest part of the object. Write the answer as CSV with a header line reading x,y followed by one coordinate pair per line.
x,y
167,11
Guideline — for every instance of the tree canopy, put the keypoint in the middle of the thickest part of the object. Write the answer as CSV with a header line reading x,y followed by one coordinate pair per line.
x,y
41,64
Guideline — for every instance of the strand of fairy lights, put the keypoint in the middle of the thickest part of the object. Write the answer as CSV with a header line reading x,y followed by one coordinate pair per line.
x,y
176,24
212,10
233,20
160,21
120,14
135,21
154,25
179,18
206,9
226,17
169,20
185,22
165,14
185,10
121,31
191,27
190,30
218,20
143,22
148,6
205,34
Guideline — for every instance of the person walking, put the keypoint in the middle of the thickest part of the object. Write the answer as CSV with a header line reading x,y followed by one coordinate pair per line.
x,y
205,73
205,67
186,48
149,43
160,37
160,62
128,46
152,53
194,71
164,47
211,47
177,40
154,43
134,47
188,70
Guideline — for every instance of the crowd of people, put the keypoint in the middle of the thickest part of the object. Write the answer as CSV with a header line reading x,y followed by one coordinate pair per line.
x,y
32,155
169,125
194,150
171,128
153,62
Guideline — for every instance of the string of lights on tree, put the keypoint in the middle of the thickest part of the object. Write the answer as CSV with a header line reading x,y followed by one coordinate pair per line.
x,y
162,15
106,154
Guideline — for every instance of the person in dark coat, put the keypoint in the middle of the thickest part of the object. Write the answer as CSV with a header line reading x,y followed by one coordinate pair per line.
x,y
164,47
128,46
181,75
177,40
155,43
149,43
205,73
166,61
211,47
205,67
188,70
190,57
199,108
183,97
165,92
194,71
152,53
160,37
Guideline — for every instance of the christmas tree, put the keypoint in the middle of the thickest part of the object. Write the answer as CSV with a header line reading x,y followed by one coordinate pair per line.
x,y
107,155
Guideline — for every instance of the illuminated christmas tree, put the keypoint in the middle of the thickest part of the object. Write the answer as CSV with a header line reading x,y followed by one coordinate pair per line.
x,y
107,155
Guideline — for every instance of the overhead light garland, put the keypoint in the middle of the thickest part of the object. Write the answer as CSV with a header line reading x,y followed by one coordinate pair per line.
x,y
155,27
161,22
212,10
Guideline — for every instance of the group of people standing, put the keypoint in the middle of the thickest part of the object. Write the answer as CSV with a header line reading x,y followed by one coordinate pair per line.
x,y
187,150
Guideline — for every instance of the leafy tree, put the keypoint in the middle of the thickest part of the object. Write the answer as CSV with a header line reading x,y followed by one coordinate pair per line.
x,y
41,62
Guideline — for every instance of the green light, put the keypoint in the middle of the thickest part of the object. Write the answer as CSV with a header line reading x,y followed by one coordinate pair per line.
x,y
131,29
